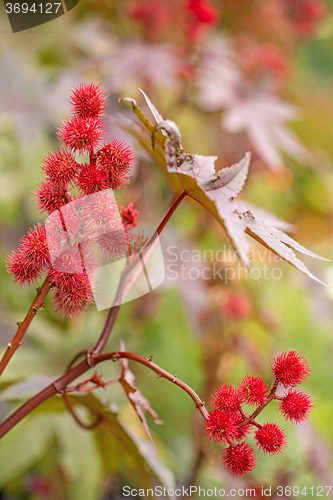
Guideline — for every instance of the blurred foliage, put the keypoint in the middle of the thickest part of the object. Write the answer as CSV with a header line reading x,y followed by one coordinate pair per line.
x,y
207,332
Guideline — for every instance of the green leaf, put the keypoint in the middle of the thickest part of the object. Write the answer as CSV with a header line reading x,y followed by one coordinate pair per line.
x,y
115,440
79,458
22,447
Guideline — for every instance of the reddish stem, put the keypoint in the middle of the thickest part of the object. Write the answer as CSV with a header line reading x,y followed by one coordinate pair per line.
x,y
60,384
270,397
113,313
24,325
92,358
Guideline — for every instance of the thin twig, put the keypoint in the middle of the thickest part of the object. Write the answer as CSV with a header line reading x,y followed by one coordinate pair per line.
x,y
24,325
59,386
270,397
92,357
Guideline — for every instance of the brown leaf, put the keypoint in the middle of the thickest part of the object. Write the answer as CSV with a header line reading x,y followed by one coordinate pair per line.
x,y
136,398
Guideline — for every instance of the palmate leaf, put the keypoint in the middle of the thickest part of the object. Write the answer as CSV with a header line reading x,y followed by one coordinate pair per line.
x,y
216,192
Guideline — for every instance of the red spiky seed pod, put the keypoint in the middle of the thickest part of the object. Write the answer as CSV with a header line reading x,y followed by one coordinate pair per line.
x,y
296,406
72,292
91,179
226,398
22,271
116,159
290,368
32,256
270,438
82,134
88,100
237,307
50,196
60,167
221,426
252,390
129,215
114,245
239,460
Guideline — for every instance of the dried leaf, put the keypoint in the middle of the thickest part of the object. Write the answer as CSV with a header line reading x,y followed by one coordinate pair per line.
x,y
136,398
216,192
271,238
159,118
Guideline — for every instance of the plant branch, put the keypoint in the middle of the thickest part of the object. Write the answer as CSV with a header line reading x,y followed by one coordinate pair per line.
x,y
260,408
59,386
113,313
24,325
92,357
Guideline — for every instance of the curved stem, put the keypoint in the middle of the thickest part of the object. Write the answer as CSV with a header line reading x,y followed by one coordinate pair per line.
x,y
24,325
92,357
60,384
160,374
260,408
77,419
113,313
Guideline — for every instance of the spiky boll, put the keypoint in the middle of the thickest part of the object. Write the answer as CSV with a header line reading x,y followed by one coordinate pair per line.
x,y
60,167
290,368
221,426
72,292
21,269
226,398
28,262
239,460
82,134
252,390
243,431
50,196
130,215
270,438
91,179
116,159
296,406
88,100
203,11
114,245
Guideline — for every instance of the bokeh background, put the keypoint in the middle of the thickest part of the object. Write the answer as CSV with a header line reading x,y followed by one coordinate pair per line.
x,y
235,75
